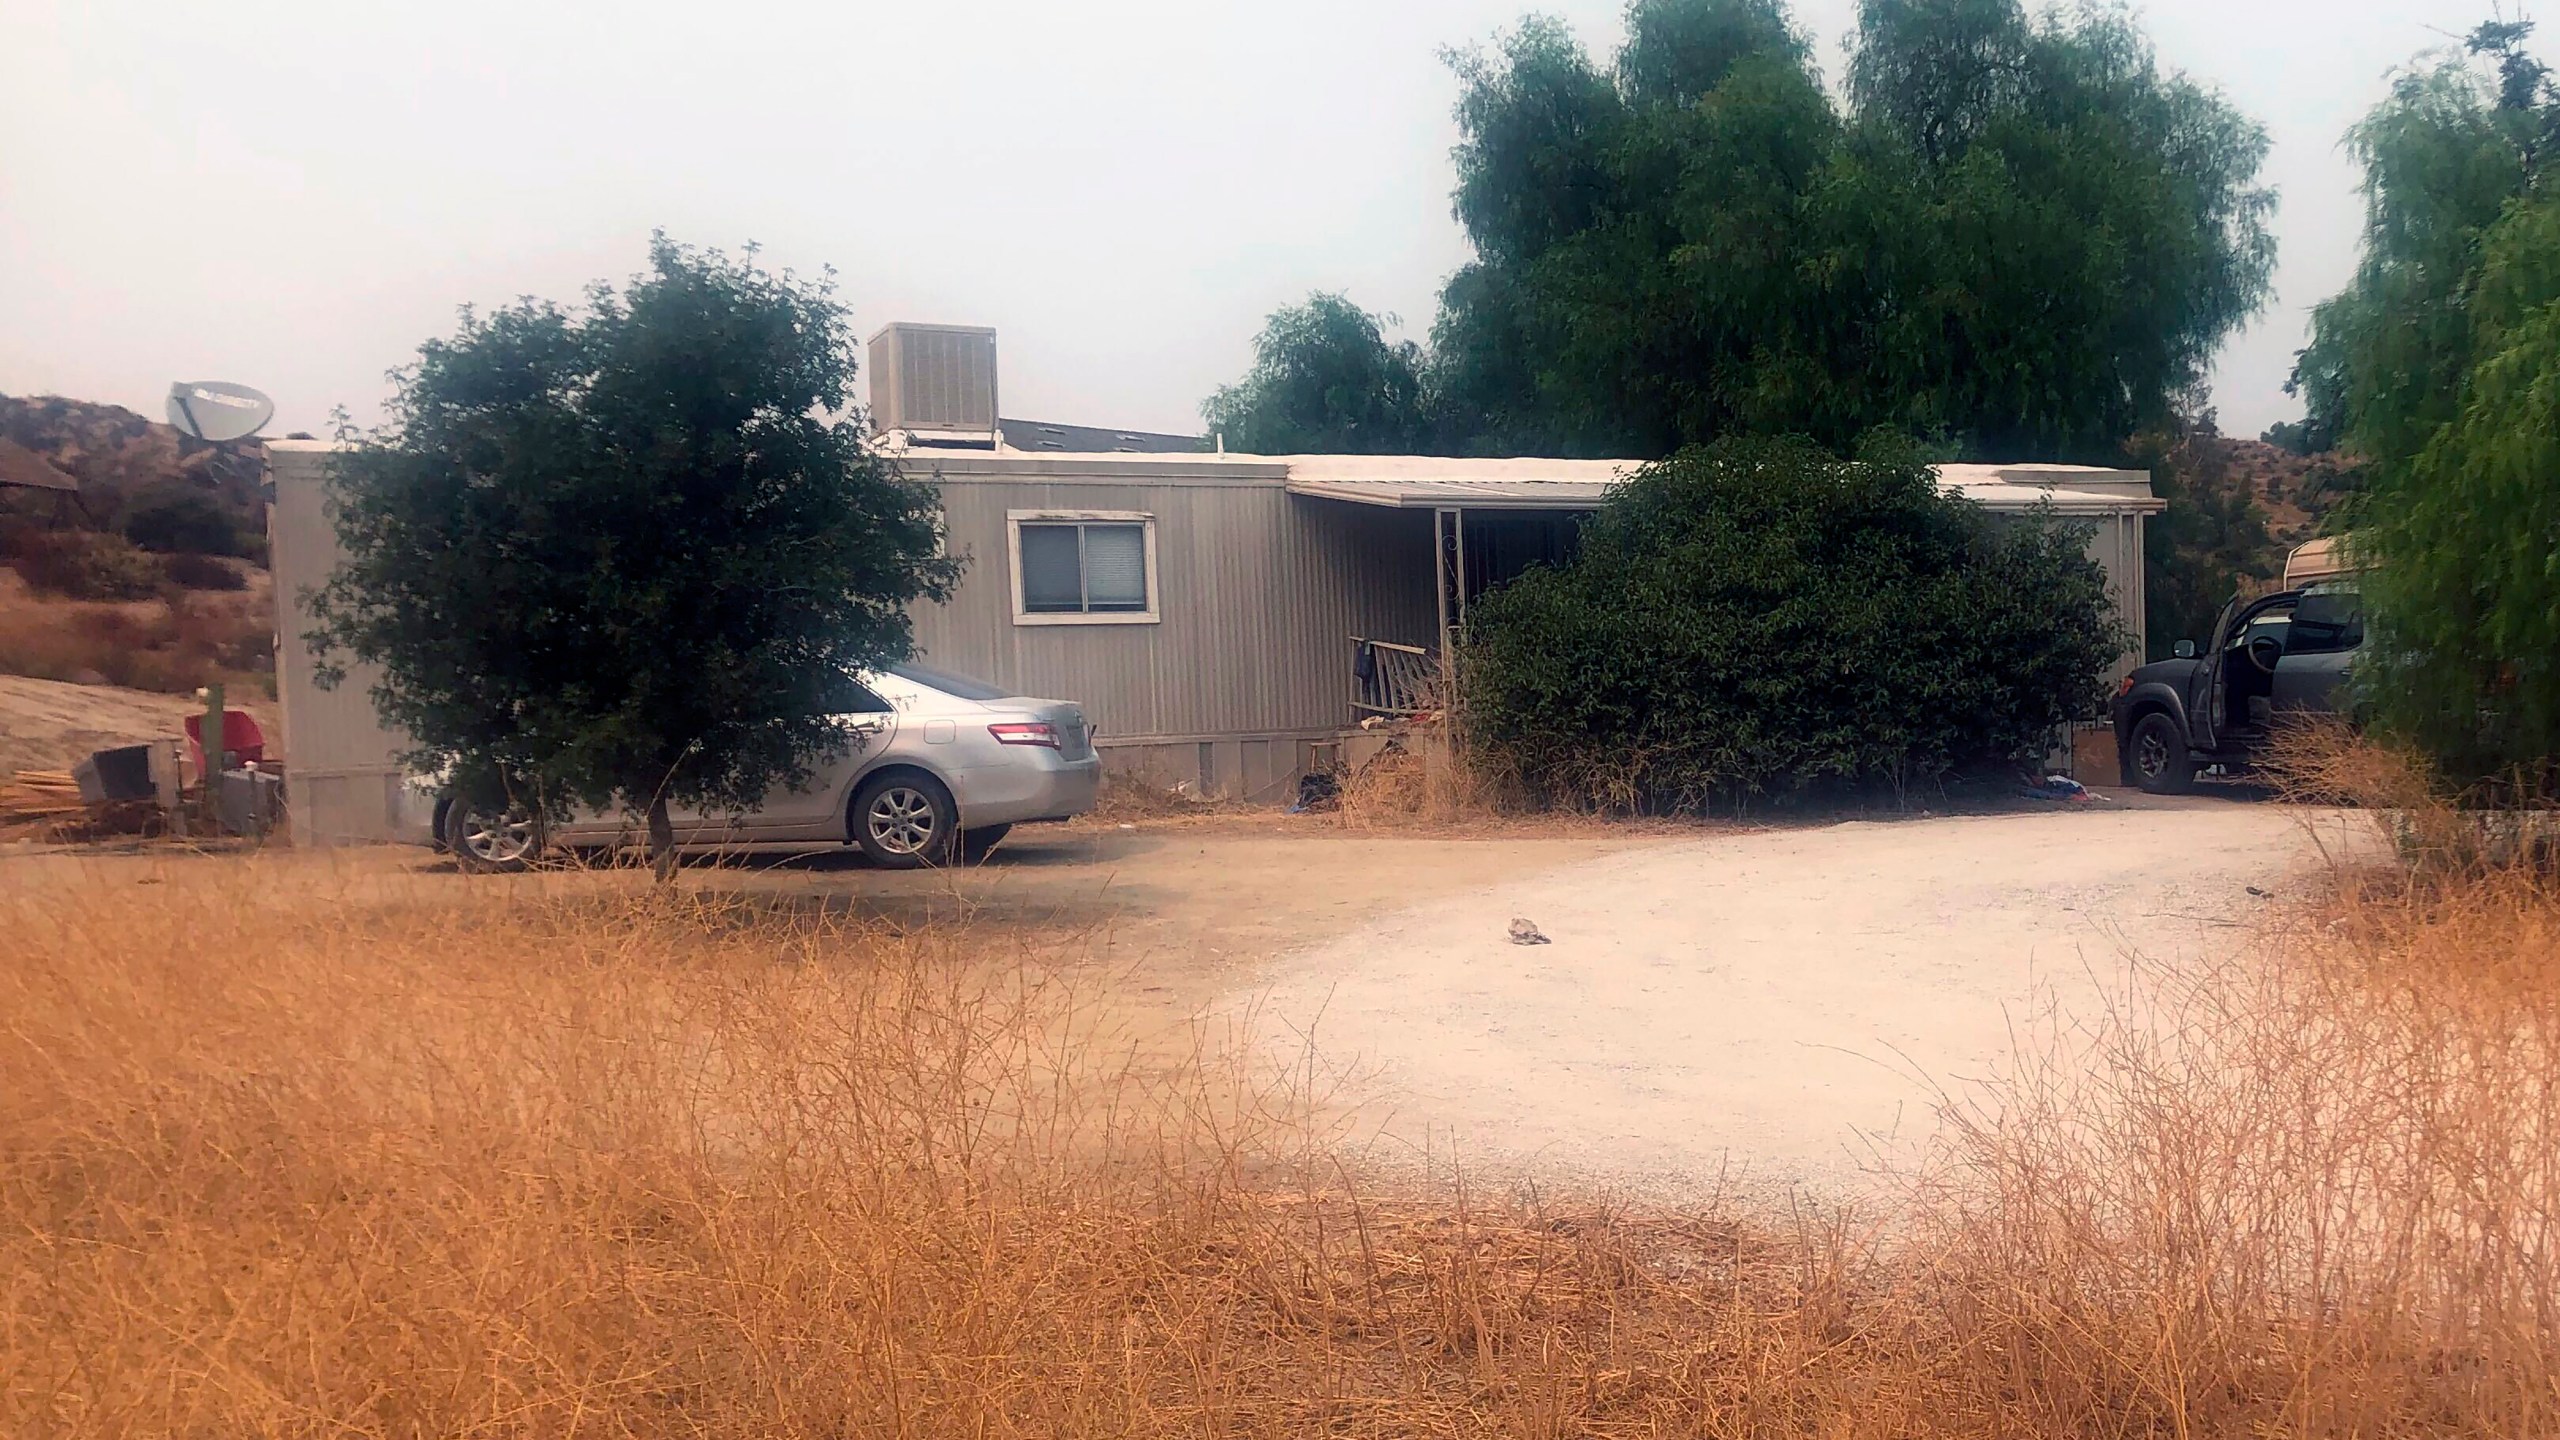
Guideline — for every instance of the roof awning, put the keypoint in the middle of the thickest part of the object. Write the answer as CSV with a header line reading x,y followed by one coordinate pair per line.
x,y
1458,494
1421,482
2069,489
1428,482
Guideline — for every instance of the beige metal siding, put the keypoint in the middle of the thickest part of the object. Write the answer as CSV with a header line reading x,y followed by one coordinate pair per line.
x,y
2117,547
1259,593
342,781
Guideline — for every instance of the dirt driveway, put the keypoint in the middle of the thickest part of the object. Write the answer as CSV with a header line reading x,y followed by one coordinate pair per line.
x,y
1779,1006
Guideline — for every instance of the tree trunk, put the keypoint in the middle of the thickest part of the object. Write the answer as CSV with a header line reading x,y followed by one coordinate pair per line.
x,y
662,840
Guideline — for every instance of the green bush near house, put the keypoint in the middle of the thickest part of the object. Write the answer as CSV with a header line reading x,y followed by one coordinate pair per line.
x,y
1763,618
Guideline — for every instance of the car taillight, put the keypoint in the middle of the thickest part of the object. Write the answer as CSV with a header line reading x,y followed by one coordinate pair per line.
x,y
1035,734
2124,686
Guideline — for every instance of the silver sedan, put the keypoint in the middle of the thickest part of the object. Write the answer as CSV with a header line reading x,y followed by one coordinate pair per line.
x,y
938,767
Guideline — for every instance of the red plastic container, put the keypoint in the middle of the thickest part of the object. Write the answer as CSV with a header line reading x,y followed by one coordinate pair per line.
x,y
240,736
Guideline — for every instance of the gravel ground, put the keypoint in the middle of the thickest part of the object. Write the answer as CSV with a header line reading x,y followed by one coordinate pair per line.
x,y
1780,1006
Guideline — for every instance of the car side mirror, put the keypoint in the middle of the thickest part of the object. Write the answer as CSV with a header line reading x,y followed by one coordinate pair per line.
x,y
2184,650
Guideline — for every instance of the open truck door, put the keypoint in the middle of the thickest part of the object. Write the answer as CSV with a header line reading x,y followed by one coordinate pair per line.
x,y
2212,725
2206,688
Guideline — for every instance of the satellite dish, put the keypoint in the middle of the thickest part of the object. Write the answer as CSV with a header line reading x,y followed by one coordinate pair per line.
x,y
218,410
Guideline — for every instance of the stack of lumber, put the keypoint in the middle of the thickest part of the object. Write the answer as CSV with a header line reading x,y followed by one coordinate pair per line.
x,y
45,805
39,795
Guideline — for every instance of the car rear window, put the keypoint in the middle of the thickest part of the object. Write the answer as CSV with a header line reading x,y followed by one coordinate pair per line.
x,y
957,686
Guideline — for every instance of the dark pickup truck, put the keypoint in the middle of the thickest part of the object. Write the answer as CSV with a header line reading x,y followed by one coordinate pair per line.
x,y
2280,653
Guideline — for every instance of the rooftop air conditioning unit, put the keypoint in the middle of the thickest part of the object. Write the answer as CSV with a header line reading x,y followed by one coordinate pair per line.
x,y
935,382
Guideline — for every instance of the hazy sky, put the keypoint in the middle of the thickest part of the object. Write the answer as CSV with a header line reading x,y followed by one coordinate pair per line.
x,y
294,194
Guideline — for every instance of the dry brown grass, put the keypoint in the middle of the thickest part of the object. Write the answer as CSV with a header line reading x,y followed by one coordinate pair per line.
x,y
2436,832
576,1157
1425,780
273,1161
2311,1187
174,644
1428,784
1130,799
2306,1191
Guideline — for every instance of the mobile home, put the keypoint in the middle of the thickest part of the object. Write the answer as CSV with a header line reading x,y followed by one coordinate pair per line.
x,y
1221,617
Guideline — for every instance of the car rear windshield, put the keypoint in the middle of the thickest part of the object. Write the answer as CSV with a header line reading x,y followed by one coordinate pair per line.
x,y
958,686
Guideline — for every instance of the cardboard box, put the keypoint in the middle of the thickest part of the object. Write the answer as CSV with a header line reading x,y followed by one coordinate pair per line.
x,y
2093,755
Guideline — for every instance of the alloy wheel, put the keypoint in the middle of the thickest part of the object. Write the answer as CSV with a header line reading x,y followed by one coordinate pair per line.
x,y
901,820
497,839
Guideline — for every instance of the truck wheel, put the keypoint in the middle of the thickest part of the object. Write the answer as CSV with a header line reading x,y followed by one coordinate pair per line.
x,y
2156,756
905,821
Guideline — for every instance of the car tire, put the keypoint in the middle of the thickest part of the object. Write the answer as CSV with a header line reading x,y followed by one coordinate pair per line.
x,y
904,821
2156,758
976,845
486,843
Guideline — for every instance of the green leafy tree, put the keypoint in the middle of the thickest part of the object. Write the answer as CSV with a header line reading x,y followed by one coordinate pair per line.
x,y
2083,231
2439,365
1325,379
1650,247
1760,617
2443,157
622,555
2018,234
2307,436
2467,533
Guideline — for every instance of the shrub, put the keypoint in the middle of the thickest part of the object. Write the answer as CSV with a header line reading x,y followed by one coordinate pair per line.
x,y
202,572
177,521
83,565
1762,617
17,533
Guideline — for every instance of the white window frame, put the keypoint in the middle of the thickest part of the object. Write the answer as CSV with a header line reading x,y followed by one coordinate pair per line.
x,y
1014,520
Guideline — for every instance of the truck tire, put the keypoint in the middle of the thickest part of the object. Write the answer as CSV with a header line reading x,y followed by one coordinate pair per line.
x,y
2156,758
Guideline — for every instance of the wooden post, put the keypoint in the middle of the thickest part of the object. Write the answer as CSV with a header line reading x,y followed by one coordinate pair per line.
x,y
211,778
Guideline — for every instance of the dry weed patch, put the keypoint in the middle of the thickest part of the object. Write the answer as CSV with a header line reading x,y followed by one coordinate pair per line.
x,y
547,1158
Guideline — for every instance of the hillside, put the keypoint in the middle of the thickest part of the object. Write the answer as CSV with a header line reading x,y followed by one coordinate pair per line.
x,y
119,457
2295,491
118,600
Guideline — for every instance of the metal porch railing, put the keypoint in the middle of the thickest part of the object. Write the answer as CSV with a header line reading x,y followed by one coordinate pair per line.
x,y
1391,679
